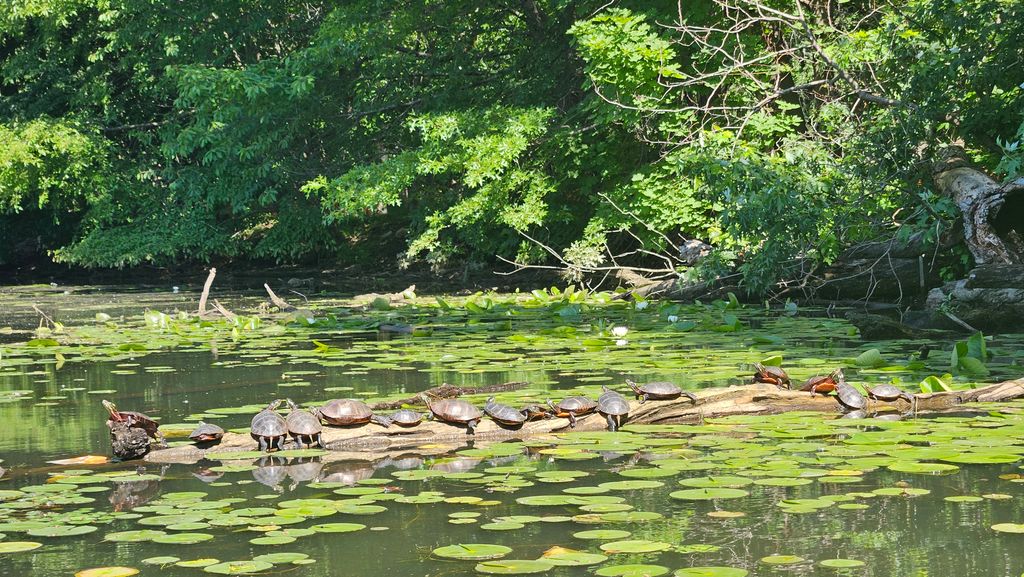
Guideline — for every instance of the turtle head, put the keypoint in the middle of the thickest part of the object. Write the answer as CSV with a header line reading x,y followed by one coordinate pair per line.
x,y
425,399
759,368
292,405
112,409
274,405
837,375
632,384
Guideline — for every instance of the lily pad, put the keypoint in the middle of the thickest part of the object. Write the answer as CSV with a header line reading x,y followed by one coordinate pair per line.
x,y
513,567
61,531
238,567
602,534
635,546
841,563
708,494
781,559
18,546
632,571
108,572
1001,527
711,571
162,560
472,551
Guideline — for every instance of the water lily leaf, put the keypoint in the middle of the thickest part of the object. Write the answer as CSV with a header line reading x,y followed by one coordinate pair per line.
x,y
163,560
781,559
871,358
711,571
635,546
841,563
513,567
472,551
134,536
280,558
602,534
632,571
203,562
1001,527
18,546
182,538
708,494
923,468
570,557
337,527
238,567
108,572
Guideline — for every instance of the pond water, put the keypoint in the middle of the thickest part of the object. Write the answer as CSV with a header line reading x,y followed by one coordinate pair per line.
x,y
783,495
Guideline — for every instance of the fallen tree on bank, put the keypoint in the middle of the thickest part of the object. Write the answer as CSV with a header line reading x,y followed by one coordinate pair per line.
x,y
371,442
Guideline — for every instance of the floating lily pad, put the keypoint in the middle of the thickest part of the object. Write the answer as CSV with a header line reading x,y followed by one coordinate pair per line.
x,y
134,536
472,551
711,571
602,534
571,558
632,571
708,494
163,560
337,527
108,572
281,558
513,567
18,546
1001,527
61,531
631,485
182,538
238,567
781,559
841,563
203,562
635,546
923,468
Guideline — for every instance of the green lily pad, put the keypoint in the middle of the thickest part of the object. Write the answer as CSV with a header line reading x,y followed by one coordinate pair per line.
x,y
18,546
472,551
635,546
841,563
273,540
337,527
632,571
711,571
108,572
631,485
163,560
781,559
61,531
708,494
134,536
183,538
196,563
281,558
502,526
238,567
602,534
513,567
571,558
1001,527
923,468
963,499
721,481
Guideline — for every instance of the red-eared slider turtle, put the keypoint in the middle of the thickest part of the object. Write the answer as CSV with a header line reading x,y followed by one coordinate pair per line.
x,y
849,397
303,426
823,384
134,420
206,433
406,418
268,428
659,391
535,412
572,407
344,412
504,414
772,375
614,407
454,411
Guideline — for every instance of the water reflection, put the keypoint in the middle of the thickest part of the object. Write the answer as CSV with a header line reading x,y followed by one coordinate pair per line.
x,y
346,472
304,471
271,471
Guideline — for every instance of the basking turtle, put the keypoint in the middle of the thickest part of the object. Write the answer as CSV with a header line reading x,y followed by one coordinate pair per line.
x,y
269,428
303,426
614,407
849,397
206,433
344,412
535,412
454,411
888,393
772,375
571,407
406,418
504,414
659,391
823,384
134,420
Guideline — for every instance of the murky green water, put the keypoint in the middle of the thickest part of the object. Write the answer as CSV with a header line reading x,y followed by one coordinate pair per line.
x,y
181,371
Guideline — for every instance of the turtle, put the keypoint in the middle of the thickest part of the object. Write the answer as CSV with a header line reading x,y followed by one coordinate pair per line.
x,y
888,393
269,428
206,433
823,384
613,406
406,418
535,412
571,407
770,374
504,414
342,412
303,426
849,397
454,411
659,391
134,420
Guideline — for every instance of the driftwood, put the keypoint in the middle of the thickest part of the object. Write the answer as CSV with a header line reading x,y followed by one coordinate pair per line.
x,y
206,292
447,391
277,301
991,310
875,327
372,442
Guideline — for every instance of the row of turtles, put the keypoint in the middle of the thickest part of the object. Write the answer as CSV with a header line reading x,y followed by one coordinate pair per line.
x,y
848,397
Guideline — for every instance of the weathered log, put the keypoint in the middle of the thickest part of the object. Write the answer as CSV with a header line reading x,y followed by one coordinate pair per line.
x,y
874,327
993,214
277,301
372,442
447,391
206,292
992,310
995,276
886,278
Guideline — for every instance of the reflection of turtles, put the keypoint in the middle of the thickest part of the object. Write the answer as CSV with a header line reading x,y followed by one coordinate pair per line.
x,y
344,412
302,471
659,391
572,407
128,494
504,414
770,374
206,433
270,472
304,426
455,411
456,465
135,420
401,463
613,406
269,428
206,475
346,472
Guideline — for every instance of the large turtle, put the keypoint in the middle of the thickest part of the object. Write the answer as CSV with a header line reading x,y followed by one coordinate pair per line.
x,y
454,411
659,391
303,426
134,420
614,407
849,398
504,414
571,407
344,412
268,428
772,375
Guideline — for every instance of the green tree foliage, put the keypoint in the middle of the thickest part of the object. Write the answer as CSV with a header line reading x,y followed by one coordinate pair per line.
x,y
540,131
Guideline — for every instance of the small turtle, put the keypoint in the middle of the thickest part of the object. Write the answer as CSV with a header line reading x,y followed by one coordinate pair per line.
x,y
134,420
504,414
454,411
303,426
888,393
659,391
344,412
772,375
206,433
571,407
268,428
823,384
406,418
535,412
849,397
614,407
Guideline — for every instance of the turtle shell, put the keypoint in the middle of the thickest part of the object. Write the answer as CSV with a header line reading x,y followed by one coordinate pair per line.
x,y
301,422
267,423
888,393
503,414
850,397
578,405
406,418
455,410
534,412
771,374
206,433
612,403
345,412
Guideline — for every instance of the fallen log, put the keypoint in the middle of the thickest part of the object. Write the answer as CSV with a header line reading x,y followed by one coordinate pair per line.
x,y
372,442
447,391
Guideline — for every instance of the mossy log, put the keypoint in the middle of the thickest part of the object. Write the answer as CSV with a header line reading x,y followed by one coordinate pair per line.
x,y
373,442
